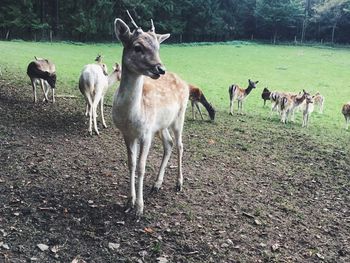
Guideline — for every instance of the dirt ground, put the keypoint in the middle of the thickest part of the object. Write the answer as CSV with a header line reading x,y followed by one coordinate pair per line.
x,y
251,193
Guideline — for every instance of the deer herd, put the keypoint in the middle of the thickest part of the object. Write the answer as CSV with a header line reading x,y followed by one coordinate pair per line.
x,y
152,101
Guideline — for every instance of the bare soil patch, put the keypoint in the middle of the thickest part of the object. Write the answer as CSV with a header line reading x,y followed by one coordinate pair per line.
x,y
251,193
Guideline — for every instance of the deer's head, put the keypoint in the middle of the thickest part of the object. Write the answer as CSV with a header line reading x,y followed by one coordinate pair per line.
x,y
252,84
117,69
141,49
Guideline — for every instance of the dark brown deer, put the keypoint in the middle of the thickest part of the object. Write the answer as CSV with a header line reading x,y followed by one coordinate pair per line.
x,y
265,95
197,96
42,71
240,94
346,113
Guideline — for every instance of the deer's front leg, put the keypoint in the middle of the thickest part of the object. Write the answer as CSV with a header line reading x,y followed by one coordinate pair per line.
x,y
199,110
42,84
131,146
145,144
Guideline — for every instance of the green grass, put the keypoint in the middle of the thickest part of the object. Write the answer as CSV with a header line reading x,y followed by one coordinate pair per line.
x,y
213,68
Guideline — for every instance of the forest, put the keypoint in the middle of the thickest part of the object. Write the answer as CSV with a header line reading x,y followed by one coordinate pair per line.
x,y
187,20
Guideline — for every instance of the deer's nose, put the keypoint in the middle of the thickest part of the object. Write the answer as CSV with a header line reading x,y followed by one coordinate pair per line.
x,y
161,69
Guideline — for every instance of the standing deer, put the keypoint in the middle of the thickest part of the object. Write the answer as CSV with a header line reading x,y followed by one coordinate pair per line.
x,y
265,95
98,60
197,96
319,101
143,107
42,71
308,108
288,103
346,113
93,84
236,92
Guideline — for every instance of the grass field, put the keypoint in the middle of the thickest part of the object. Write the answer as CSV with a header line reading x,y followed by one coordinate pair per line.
x,y
255,190
213,68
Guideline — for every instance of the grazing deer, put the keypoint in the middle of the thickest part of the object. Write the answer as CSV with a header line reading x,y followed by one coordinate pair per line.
x,y
42,71
236,92
265,95
288,103
346,113
143,106
308,108
93,84
319,101
197,96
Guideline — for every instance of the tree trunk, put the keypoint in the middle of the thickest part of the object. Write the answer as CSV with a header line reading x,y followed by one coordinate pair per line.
x,y
333,31
7,34
275,37
303,30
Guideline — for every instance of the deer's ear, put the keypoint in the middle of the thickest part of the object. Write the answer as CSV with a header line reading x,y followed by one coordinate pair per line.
x,y
122,31
256,82
161,38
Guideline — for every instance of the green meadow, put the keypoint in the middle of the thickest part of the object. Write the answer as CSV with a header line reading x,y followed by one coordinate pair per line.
x,y
213,68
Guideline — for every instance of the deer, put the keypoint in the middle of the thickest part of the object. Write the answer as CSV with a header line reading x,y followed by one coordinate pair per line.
x,y
197,96
346,113
149,101
265,95
319,101
236,92
93,84
308,108
288,103
42,71
98,60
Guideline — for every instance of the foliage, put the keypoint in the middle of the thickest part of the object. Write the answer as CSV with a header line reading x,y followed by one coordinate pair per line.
x,y
186,20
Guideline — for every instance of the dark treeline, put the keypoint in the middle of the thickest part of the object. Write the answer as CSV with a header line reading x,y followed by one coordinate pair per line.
x,y
187,20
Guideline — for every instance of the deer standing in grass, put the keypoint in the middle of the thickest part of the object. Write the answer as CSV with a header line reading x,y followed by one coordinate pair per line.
x,y
308,108
42,71
143,106
319,101
236,92
265,95
197,96
288,103
93,84
346,113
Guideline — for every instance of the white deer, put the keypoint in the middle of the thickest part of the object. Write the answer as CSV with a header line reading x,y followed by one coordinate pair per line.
x,y
143,106
93,84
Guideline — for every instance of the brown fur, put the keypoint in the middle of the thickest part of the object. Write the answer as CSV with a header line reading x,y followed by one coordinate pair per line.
x,y
346,113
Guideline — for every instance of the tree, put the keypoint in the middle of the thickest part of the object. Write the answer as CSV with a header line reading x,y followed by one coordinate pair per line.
x,y
278,14
332,11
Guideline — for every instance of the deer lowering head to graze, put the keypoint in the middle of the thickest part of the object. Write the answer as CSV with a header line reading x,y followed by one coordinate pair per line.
x,y
346,113
265,95
42,71
93,84
288,103
319,102
145,106
197,96
240,94
308,108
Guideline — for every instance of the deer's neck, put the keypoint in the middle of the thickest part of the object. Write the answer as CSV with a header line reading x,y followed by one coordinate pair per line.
x,y
248,90
130,93
112,79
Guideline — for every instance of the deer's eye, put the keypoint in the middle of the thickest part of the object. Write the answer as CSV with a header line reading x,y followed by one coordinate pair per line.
x,y
138,49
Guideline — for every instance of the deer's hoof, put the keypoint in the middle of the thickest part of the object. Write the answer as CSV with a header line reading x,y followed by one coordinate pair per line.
x,y
178,187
